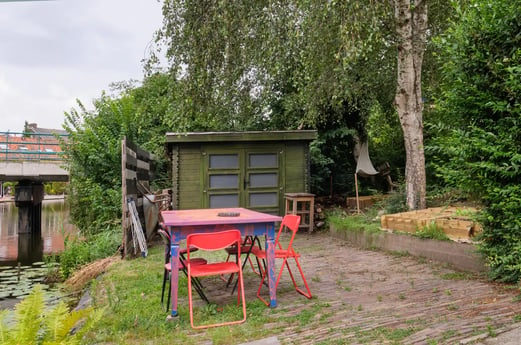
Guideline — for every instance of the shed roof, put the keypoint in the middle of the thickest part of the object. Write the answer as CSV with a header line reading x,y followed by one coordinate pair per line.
x,y
197,137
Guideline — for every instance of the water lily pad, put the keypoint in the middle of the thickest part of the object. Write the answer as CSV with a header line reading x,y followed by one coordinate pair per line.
x,y
5,294
21,292
7,273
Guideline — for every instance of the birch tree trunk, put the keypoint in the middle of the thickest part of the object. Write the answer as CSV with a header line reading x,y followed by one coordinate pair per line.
x,y
411,25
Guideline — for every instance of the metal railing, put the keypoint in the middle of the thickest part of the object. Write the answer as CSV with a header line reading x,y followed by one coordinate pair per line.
x,y
24,146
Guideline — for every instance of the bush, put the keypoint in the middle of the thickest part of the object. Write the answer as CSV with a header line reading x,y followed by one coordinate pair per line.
x,y
79,252
478,138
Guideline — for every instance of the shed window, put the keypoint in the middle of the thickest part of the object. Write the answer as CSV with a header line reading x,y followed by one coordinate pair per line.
x,y
224,181
263,180
263,199
263,160
224,200
230,161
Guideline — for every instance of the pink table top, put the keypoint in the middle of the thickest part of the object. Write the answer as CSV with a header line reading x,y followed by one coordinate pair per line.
x,y
210,216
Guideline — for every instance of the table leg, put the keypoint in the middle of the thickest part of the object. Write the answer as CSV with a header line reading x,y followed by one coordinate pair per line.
x,y
174,275
270,258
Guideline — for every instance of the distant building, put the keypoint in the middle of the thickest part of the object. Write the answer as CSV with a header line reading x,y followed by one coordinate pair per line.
x,y
33,128
33,144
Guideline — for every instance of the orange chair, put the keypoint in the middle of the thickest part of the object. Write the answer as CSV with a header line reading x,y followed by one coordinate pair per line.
x,y
182,267
212,242
291,222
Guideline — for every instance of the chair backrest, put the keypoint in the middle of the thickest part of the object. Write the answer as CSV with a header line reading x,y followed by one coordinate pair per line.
x,y
214,240
166,240
292,222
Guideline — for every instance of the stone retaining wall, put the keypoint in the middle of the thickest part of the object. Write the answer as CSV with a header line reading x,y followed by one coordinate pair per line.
x,y
462,256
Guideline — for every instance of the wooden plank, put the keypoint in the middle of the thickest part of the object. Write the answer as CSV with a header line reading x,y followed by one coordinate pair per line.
x,y
135,166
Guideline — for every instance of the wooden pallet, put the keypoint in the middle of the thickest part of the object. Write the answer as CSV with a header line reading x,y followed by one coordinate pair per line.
x,y
455,221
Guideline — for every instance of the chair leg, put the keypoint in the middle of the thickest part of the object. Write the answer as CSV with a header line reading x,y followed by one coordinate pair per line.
x,y
306,294
198,287
265,273
241,299
168,294
248,258
165,278
299,290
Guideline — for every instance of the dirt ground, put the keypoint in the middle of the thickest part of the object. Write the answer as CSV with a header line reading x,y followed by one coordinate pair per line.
x,y
363,293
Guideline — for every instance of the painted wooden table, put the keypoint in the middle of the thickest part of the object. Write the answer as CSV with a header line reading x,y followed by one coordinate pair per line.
x,y
181,223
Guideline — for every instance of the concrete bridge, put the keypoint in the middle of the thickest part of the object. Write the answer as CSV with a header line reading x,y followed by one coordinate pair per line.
x,y
31,159
34,171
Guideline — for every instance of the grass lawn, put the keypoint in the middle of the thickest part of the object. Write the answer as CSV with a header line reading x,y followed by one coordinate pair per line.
x,y
130,292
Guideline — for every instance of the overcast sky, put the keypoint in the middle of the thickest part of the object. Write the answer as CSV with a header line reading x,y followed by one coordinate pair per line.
x,y
54,52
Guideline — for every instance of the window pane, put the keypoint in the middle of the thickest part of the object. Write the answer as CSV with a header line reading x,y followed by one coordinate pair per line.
x,y
263,199
264,180
224,200
224,161
263,160
224,181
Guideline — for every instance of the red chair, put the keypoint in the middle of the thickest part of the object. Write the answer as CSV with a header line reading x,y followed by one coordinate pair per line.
x,y
182,267
247,246
212,242
291,222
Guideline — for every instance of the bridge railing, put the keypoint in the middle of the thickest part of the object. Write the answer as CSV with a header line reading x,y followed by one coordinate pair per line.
x,y
24,146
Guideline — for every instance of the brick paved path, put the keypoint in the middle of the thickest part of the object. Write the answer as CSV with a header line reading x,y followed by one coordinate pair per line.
x,y
359,294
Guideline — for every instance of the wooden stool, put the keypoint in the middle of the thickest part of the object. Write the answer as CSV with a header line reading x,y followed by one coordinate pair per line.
x,y
306,210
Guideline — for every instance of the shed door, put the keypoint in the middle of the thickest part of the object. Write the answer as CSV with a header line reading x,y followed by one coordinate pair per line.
x,y
246,177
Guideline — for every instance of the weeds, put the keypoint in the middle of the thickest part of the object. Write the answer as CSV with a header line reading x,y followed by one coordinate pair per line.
x,y
432,231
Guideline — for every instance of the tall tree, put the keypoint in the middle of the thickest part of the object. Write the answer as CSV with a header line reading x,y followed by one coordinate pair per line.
x,y
411,30
280,64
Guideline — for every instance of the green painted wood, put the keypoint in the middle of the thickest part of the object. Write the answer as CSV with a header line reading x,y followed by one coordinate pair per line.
x,y
190,174
189,170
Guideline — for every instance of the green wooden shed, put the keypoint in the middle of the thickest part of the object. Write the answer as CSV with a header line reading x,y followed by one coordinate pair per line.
x,y
239,169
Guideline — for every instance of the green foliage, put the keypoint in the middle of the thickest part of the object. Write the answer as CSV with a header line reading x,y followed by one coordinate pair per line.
x,y
9,186
34,324
284,65
55,188
358,222
395,202
432,231
332,162
477,142
78,251
93,149
386,141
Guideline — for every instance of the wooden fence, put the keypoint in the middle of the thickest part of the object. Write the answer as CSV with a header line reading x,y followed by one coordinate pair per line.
x,y
137,171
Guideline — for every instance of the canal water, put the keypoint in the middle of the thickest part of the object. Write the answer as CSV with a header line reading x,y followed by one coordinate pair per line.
x,y
22,256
